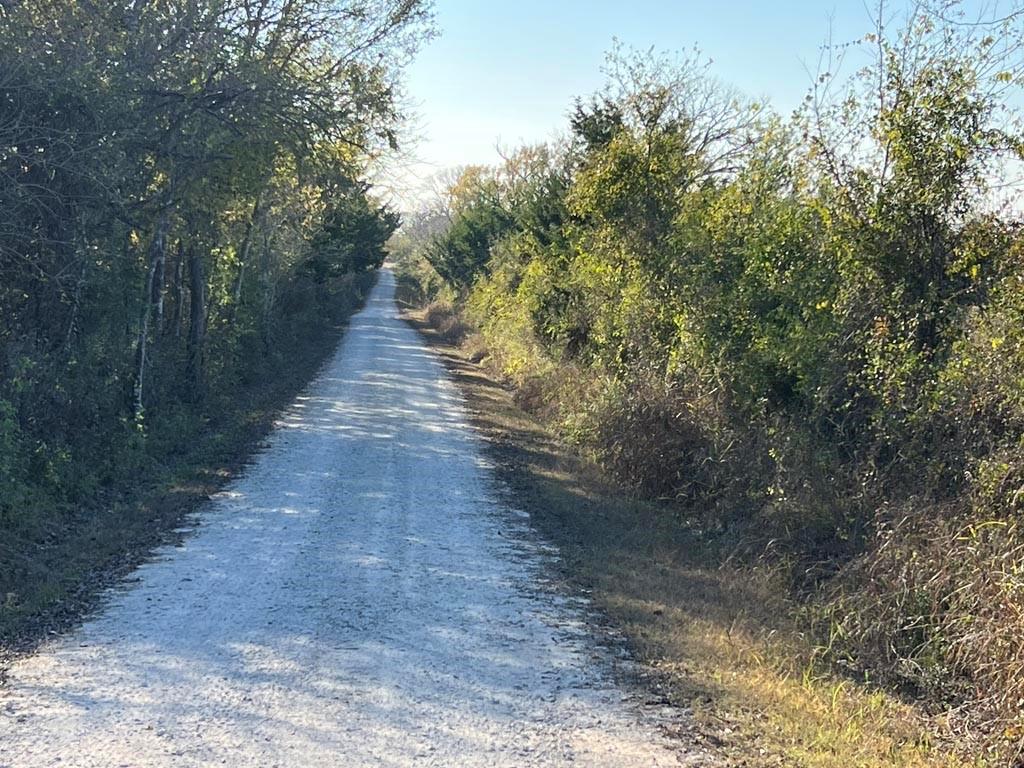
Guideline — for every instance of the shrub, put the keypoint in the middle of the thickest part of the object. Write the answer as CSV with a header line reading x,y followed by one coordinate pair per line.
x,y
442,317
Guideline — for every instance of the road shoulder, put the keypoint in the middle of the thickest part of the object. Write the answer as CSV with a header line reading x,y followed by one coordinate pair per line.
x,y
713,640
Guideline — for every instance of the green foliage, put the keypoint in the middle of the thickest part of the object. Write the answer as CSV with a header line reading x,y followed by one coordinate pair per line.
x,y
353,233
806,332
460,254
182,211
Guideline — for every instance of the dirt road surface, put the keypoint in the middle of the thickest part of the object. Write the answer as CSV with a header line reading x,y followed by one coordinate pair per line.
x,y
360,596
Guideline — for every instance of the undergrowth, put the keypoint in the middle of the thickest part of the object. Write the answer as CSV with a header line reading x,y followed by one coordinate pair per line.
x,y
57,552
724,635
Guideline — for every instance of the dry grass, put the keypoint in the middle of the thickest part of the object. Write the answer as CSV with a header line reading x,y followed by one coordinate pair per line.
x,y
936,604
717,635
442,317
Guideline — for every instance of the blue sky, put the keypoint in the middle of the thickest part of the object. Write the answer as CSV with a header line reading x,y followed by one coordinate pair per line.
x,y
508,71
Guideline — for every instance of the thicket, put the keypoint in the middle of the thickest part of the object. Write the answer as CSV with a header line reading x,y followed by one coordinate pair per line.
x,y
807,332
182,207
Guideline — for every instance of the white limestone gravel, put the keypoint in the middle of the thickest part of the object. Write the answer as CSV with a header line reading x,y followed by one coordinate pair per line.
x,y
360,596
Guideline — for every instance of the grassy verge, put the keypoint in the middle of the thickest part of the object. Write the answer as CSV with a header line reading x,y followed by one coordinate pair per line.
x,y
721,638
53,573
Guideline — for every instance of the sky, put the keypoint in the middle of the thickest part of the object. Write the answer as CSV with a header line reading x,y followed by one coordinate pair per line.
x,y
507,73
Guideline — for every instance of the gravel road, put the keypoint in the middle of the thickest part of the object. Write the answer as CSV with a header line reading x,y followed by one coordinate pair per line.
x,y
360,596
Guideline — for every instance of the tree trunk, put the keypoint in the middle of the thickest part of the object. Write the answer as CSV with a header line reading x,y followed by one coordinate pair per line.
x,y
156,298
157,249
197,323
76,305
177,291
243,258
269,287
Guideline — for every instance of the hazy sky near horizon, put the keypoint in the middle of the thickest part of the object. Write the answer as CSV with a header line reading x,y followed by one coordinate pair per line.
x,y
507,73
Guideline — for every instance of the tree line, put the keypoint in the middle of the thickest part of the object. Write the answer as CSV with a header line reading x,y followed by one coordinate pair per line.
x,y
182,203
807,333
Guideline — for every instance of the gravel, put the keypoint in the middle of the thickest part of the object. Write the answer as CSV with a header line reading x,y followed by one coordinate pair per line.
x,y
360,596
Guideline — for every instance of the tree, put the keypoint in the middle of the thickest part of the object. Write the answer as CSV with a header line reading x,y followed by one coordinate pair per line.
x,y
167,170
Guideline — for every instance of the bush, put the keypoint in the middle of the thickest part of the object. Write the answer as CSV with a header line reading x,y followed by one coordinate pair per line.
x,y
807,335
442,317
935,605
